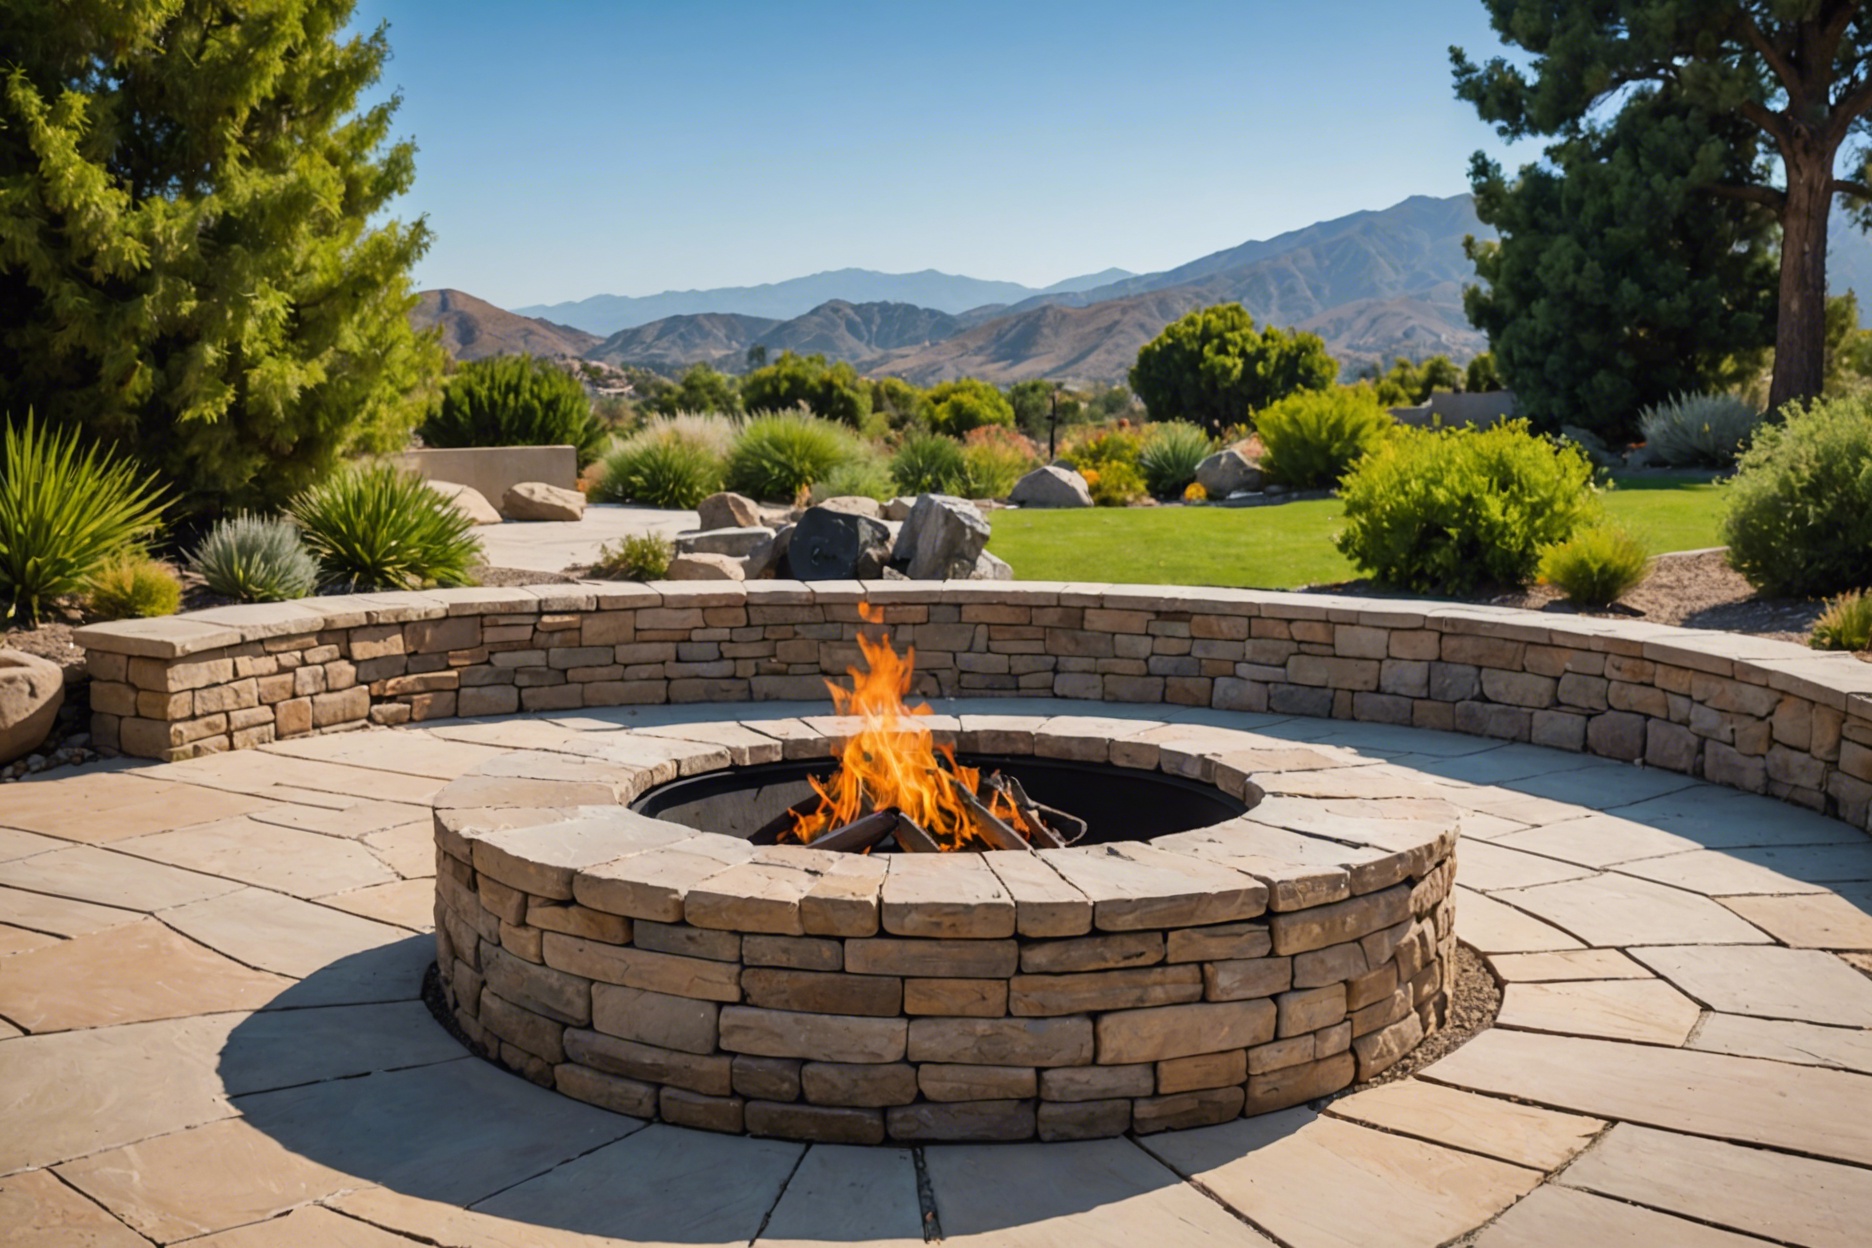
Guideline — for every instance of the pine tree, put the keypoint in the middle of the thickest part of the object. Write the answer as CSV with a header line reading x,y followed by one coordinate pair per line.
x,y
189,264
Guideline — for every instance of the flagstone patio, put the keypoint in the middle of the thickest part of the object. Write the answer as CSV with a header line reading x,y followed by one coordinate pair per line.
x,y
211,1031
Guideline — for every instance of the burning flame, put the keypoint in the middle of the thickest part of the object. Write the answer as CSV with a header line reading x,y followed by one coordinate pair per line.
x,y
894,761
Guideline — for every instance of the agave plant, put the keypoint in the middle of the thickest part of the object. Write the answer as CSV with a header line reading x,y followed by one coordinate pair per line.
x,y
66,511
256,559
379,528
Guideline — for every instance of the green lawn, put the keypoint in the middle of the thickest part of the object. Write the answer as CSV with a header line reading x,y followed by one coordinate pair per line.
x,y
1280,547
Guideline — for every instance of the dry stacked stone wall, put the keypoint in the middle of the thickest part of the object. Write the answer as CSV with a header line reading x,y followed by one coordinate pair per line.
x,y
1758,715
1065,994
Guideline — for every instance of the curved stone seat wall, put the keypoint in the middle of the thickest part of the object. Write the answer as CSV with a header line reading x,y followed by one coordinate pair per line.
x,y
1758,715
1068,993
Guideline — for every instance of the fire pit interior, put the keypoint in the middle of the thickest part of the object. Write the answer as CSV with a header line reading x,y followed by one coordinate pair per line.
x,y
855,929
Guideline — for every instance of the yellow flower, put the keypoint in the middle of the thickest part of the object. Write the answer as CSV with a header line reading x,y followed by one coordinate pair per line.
x,y
1194,493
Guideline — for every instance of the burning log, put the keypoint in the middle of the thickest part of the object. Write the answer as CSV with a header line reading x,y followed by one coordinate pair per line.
x,y
912,839
990,828
1033,814
860,834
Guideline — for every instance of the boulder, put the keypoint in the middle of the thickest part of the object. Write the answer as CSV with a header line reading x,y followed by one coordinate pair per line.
x,y
535,500
769,560
1051,486
729,511
705,567
837,546
941,540
31,691
899,508
991,568
1227,472
738,543
855,504
467,500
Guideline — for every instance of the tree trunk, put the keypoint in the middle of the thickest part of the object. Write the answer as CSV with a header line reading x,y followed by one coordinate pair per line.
x,y
1800,330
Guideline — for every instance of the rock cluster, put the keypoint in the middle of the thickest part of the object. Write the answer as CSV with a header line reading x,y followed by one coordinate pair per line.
x,y
931,537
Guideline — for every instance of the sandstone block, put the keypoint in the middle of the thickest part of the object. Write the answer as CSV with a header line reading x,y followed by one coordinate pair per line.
x,y
1299,931
945,1082
655,1018
1036,996
799,953
965,998
535,1033
825,1124
1205,1070
1219,942
865,1085
642,968
704,1073
934,959
1116,951
823,992
961,1120
1333,964
1185,1109
825,1037
1246,978
705,1113
1296,1085
1002,1041
1083,1120
612,1092
554,993
1170,1031
1378,1051
1310,1009
766,1078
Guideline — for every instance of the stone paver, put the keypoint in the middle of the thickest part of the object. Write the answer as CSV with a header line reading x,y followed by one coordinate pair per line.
x,y
1558,1217
278,976
132,974
1805,985
1796,1199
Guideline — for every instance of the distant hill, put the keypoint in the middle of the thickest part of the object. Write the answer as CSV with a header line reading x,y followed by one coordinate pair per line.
x,y
676,341
474,329
944,292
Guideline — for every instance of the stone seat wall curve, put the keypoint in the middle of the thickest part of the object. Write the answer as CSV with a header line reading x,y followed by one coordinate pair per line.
x,y
1755,714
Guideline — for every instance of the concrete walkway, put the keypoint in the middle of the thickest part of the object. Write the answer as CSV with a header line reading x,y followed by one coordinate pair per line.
x,y
210,1031
555,545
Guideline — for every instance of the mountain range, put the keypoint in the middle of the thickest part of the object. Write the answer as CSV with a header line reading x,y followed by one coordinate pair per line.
x,y
1373,284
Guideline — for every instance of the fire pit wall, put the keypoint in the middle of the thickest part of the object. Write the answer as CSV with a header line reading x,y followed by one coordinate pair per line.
x,y
1069,994
1757,715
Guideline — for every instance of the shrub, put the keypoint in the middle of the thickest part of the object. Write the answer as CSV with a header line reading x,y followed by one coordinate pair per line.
x,y
1799,521
1103,446
1214,368
1115,484
255,559
1314,437
955,407
133,587
929,464
373,527
645,557
898,402
64,513
515,400
994,458
1596,566
658,468
867,477
1443,511
1698,430
777,456
831,391
1168,458
1846,624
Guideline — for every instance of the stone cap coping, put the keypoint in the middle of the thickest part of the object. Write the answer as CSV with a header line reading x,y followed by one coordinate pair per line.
x,y
1837,680
1325,825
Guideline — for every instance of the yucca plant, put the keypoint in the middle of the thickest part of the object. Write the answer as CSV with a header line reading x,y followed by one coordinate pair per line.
x,y
379,528
1846,624
658,469
929,463
1169,457
779,455
66,510
256,559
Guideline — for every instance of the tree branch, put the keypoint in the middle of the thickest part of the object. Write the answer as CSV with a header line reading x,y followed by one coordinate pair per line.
x,y
1840,186
1754,194
1774,125
1855,101
1783,69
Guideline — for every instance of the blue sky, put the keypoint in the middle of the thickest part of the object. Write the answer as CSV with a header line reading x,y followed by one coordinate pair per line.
x,y
574,147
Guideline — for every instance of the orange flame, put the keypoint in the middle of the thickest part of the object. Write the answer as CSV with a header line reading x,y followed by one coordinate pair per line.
x,y
894,761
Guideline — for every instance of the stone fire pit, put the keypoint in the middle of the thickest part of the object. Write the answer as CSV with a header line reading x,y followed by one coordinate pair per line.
x,y
1138,984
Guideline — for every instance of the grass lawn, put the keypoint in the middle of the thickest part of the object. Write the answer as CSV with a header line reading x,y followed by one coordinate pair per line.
x,y
1280,547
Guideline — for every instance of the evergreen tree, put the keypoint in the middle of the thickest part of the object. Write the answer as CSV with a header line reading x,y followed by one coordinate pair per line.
x,y
189,264
1795,75
1215,369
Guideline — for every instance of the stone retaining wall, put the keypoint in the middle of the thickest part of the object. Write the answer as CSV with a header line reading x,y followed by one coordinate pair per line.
x,y
1069,994
1758,715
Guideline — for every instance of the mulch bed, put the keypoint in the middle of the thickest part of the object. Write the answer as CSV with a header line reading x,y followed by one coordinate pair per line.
x,y
1473,1006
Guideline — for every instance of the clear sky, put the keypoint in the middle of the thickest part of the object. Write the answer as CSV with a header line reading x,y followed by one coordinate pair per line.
x,y
578,147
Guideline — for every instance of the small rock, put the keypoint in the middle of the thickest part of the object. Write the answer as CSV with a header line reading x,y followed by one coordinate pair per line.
x,y
941,540
1051,486
467,500
771,561
705,567
739,543
728,510
31,691
535,500
1227,472
854,504
899,508
991,568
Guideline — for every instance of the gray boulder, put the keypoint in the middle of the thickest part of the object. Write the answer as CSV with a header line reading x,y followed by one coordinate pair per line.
x,y
728,511
770,560
31,691
831,545
535,500
467,500
941,540
705,567
855,504
991,568
738,543
1228,472
899,508
1051,486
